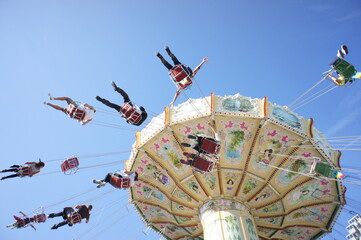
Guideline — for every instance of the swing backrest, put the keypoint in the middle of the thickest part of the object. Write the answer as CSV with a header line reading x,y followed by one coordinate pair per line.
x,y
180,76
202,164
74,218
25,171
40,218
209,146
75,112
21,223
344,68
70,165
324,169
130,113
118,182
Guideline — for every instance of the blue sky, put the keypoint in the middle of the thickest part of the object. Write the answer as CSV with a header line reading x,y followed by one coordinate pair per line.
x,y
76,48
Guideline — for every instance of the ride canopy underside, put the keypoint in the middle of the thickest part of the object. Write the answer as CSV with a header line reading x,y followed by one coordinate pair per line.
x,y
265,164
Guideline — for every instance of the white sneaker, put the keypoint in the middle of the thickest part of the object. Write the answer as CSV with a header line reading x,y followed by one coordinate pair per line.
x,y
50,97
46,103
344,49
340,54
97,181
101,185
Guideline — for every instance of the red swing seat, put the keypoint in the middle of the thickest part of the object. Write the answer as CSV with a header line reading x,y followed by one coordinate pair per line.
x,y
75,113
180,77
202,164
73,218
25,171
130,113
209,146
118,182
21,223
70,165
40,218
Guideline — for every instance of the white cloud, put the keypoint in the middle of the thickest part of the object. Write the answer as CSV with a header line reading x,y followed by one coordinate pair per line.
x,y
349,16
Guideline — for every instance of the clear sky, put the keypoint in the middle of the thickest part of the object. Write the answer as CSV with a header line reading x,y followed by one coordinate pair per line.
x,y
72,48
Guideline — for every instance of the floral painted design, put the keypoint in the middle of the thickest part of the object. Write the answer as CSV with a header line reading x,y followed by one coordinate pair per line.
x,y
249,185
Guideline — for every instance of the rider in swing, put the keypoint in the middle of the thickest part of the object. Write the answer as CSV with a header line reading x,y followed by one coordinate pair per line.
x,y
189,160
346,72
83,210
188,70
30,169
87,110
121,109
22,222
133,177
200,138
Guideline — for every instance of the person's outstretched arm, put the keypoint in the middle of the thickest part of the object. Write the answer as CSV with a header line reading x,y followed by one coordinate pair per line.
x,y
175,97
199,66
88,106
31,163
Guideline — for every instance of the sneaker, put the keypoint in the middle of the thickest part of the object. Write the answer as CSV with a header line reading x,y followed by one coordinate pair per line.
x,y
99,99
158,55
50,96
167,49
340,54
51,215
344,49
192,137
96,181
184,162
46,103
185,144
54,227
188,155
114,85
102,184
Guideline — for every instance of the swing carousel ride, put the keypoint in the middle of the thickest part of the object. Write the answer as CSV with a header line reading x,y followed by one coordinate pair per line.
x,y
264,185
258,171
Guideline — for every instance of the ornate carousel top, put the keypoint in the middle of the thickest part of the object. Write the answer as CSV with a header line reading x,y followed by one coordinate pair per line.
x,y
265,164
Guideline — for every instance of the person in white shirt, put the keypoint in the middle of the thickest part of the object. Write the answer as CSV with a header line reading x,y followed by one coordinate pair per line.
x,y
83,113
30,169
112,177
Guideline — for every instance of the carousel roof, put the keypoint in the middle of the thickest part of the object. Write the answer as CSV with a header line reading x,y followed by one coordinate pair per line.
x,y
265,159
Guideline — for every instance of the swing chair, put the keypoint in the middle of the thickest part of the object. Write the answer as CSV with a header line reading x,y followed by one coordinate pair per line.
x,y
118,182
70,165
39,218
73,218
342,68
25,171
75,112
322,168
202,164
21,224
39,215
180,77
130,111
209,146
